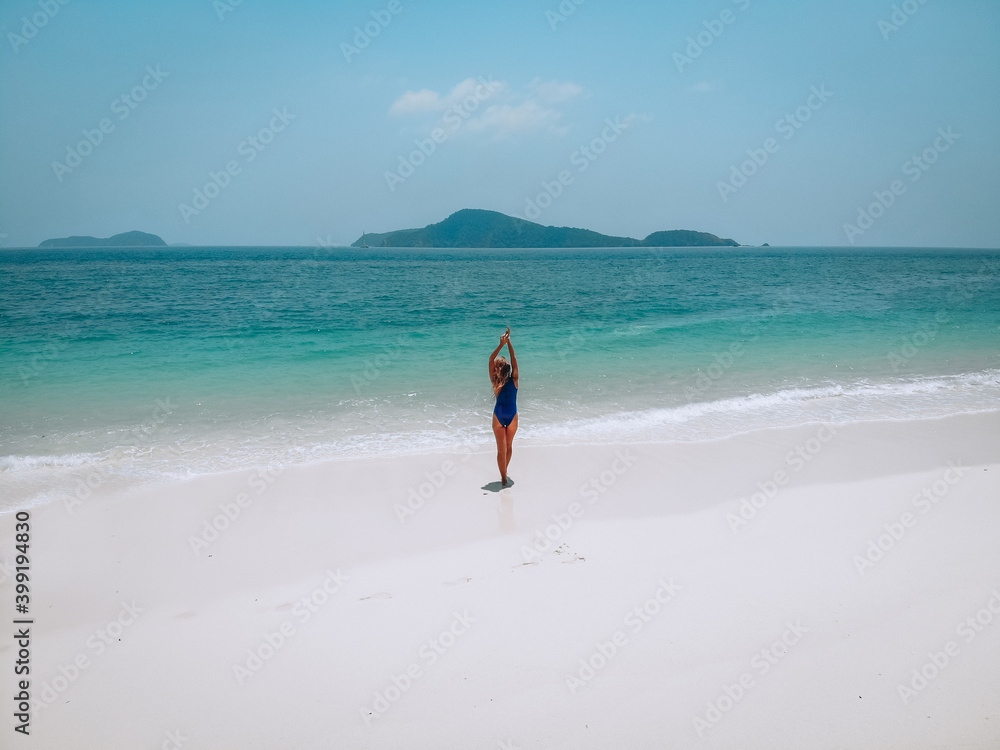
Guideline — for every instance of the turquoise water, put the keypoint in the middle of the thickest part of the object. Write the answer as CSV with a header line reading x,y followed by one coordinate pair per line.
x,y
172,362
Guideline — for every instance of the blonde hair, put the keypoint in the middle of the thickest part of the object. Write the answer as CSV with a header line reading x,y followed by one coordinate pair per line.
x,y
500,379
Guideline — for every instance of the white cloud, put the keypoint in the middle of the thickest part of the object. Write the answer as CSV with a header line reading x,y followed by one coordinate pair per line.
x,y
415,101
486,106
554,92
425,100
527,117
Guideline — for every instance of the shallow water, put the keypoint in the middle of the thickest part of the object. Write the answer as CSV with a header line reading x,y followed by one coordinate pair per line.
x,y
144,363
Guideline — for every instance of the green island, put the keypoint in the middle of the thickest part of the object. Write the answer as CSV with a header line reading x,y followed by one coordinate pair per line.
x,y
125,239
472,227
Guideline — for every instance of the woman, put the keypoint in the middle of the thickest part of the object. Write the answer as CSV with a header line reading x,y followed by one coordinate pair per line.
x,y
503,375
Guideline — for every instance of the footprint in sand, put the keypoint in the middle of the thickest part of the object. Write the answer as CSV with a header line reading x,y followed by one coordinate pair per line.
x,y
566,555
571,556
379,595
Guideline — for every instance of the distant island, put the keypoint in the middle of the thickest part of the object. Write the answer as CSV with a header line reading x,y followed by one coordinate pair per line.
x,y
125,239
472,227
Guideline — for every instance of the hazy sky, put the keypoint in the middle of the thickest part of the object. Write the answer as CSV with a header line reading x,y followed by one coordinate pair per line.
x,y
762,121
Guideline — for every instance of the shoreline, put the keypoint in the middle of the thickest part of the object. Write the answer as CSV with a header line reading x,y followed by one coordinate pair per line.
x,y
169,455
605,599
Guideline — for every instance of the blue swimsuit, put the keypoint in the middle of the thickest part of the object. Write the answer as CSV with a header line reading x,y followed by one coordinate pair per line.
x,y
506,407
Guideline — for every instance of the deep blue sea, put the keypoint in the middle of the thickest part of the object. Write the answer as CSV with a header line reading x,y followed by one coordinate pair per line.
x,y
137,364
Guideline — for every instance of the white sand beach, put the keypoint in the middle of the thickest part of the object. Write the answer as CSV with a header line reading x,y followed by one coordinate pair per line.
x,y
854,602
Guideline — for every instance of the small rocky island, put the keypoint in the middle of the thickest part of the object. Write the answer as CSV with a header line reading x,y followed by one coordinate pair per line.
x,y
478,228
125,239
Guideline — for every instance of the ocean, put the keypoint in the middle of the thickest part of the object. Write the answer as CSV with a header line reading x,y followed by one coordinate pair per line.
x,y
128,366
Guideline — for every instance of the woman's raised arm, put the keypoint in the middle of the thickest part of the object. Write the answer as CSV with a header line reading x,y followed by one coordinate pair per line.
x,y
513,359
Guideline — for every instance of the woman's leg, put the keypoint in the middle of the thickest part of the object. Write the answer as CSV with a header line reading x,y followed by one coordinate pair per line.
x,y
500,433
511,429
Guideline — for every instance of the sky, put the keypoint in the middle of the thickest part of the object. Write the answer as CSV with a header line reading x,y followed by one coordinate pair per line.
x,y
258,122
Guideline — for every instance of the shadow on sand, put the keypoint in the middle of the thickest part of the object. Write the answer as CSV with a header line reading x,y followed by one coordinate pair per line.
x,y
496,486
